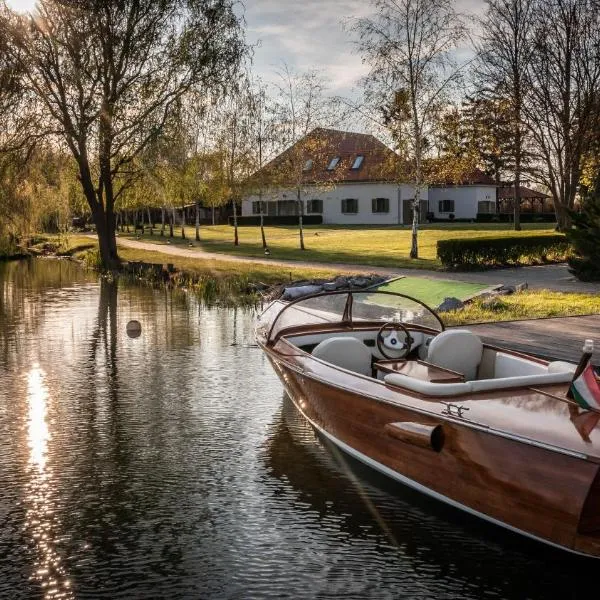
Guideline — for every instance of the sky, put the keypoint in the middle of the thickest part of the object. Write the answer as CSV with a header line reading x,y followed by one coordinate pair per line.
x,y
306,34
309,34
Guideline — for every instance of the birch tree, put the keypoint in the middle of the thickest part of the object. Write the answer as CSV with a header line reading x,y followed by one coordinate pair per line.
x,y
301,107
408,46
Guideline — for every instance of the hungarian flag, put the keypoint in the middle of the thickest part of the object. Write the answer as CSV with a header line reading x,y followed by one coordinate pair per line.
x,y
585,389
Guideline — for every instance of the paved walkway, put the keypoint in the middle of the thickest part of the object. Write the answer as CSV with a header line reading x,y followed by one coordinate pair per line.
x,y
551,277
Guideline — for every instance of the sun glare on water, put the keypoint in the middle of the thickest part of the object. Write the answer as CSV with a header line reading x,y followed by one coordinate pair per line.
x,y
21,6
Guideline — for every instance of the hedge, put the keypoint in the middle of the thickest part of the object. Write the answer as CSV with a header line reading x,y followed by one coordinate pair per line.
x,y
502,251
509,217
283,220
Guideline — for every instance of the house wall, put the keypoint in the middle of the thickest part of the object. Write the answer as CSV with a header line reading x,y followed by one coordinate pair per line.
x,y
363,192
466,199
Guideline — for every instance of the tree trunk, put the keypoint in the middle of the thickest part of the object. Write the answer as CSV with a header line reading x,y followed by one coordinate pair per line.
x,y
414,242
517,196
563,220
150,224
127,219
103,217
162,221
236,240
262,223
197,220
300,223
172,222
183,222
414,239
213,215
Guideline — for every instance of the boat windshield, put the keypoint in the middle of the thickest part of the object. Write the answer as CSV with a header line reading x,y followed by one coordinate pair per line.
x,y
335,307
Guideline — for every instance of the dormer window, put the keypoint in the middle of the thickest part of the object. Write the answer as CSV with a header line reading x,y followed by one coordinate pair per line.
x,y
308,165
358,161
333,164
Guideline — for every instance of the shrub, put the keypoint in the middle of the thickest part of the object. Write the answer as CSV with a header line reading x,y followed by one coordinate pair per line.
x,y
502,251
272,220
585,237
91,259
508,217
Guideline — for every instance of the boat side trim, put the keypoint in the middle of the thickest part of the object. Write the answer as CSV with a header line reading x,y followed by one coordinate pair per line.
x,y
429,492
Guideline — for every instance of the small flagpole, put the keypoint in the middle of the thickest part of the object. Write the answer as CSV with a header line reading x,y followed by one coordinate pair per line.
x,y
588,350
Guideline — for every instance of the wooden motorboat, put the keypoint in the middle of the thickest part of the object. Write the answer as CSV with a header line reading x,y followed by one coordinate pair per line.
x,y
485,429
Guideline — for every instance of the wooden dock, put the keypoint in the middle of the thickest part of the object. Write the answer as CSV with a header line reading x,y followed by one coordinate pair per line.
x,y
558,338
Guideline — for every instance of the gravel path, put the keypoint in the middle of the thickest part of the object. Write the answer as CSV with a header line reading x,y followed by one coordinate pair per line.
x,y
551,277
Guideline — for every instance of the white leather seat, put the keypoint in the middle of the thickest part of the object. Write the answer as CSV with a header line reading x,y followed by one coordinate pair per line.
x,y
346,352
458,350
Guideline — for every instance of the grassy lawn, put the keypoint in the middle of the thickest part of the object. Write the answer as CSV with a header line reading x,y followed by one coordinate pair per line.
x,y
223,269
526,305
78,245
433,291
366,245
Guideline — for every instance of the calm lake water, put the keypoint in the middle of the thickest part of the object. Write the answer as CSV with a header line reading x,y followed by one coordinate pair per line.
x,y
172,466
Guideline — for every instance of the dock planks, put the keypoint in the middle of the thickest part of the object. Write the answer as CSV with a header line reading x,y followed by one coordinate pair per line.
x,y
558,338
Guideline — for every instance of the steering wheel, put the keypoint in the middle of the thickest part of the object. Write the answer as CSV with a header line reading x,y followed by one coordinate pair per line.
x,y
392,341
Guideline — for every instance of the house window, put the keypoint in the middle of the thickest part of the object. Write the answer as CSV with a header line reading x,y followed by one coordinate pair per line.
x,y
380,205
256,208
350,206
314,207
486,206
308,165
333,164
287,208
446,206
358,161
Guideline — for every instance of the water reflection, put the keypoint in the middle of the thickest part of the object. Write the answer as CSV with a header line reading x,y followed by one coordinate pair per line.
x,y
166,466
40,519
450,553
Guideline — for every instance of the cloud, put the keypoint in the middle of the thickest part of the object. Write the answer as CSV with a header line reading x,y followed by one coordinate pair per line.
x,y
306,35
311,34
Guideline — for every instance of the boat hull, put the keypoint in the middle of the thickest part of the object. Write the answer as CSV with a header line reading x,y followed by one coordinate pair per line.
x,y
529,489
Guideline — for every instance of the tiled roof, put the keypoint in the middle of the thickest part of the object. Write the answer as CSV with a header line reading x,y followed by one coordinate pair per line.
x,y
475,177
507,192
321,146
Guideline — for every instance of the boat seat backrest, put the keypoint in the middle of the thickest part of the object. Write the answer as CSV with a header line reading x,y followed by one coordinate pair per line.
x,y
458,350
508,365
554,373
346,352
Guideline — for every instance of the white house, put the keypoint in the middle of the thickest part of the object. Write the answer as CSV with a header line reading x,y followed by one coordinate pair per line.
x,y
475,194
347,178
353,179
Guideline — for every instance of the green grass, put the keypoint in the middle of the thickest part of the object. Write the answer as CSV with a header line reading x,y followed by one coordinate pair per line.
x,y
433,291
365,245
526,305
221,269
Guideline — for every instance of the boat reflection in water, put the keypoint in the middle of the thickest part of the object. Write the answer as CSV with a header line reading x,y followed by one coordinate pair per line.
x,y
358,507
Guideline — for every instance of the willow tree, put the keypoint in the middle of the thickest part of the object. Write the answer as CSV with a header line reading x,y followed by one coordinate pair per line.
x,y
105,77
408,46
